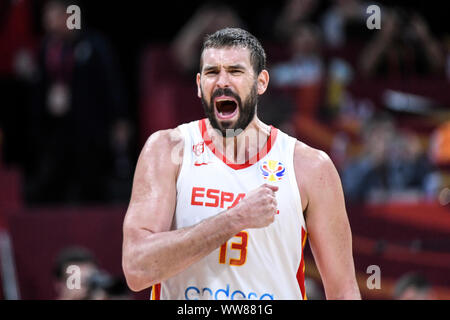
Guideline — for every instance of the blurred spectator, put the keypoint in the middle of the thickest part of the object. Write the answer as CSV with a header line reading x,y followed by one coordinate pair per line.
x,y
391,164
293,13
304,71
17,39
408,163
103,286
210,17
440,145
85,261
17,69
413,286
439,152
303,76
305,68
78,120
360,174
344,21
403,47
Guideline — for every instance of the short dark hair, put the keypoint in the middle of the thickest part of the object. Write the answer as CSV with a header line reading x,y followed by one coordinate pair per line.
x,y
237,37
71,255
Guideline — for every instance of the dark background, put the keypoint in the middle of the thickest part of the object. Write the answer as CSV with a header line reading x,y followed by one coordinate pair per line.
x,y
131,28
398,236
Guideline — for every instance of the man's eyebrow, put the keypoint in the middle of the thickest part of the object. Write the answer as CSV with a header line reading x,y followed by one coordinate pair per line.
x,y
236,66
232,67
209,68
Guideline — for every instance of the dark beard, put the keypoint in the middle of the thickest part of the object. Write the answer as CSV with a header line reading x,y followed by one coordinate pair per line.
x,y
247,111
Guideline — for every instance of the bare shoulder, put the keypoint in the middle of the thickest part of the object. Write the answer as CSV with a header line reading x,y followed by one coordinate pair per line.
x,y
310,160
154,183
163,150
161,156
315,172
162,141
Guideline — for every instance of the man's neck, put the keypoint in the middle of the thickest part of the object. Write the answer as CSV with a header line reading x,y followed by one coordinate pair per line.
x,y
242,147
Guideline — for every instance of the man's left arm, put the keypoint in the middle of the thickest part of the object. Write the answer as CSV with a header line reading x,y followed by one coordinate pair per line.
x,y
327,222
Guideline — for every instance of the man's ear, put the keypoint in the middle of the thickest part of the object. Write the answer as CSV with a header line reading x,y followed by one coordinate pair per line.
x,y
263,81
199,91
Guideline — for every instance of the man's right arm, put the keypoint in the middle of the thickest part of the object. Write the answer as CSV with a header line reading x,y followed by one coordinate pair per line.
x,y
151,251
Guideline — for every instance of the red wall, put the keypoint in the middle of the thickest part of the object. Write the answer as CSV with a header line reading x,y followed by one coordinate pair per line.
x,y
39,234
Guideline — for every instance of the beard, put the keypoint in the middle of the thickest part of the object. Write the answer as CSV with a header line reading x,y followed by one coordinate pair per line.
x,y
247,111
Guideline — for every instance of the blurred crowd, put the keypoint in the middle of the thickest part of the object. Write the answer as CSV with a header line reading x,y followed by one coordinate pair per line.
x,y
321,55
409,286
374,100
65,117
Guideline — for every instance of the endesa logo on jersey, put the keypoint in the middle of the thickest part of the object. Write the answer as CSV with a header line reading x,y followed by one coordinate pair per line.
x,y
272,170
195,293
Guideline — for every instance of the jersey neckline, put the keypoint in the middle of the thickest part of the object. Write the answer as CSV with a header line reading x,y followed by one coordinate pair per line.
x,y
261,153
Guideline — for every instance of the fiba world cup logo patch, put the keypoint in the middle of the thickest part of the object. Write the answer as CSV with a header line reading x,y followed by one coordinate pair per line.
x,y
272,170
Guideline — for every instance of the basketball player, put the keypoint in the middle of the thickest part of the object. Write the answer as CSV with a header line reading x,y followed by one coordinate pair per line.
x,y
229,220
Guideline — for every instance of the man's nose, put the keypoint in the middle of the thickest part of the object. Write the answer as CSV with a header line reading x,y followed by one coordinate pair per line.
x,y
223,79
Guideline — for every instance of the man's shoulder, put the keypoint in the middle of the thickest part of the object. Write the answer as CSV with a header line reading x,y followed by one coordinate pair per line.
x,y
309,156
314,170
311,163
165,137
168,139
163,143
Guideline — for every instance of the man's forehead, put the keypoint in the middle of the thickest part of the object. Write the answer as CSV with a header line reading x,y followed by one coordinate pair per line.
x,y
226,56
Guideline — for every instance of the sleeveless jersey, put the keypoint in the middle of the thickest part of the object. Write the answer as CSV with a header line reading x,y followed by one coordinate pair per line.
x,y
260,263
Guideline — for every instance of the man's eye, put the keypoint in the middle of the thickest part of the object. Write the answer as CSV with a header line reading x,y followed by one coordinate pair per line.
x,y
236,71
211,72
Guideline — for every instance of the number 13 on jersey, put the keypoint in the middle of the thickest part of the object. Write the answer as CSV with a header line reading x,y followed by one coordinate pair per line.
x,y
240,247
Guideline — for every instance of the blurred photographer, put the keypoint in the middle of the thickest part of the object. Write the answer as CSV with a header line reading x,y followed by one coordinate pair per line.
x,y
404,46
103,286
86,265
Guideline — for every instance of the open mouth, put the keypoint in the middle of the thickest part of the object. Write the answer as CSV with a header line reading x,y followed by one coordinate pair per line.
x,y
226,107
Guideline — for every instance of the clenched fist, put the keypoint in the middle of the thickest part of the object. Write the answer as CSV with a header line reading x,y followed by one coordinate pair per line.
x,y
258,208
